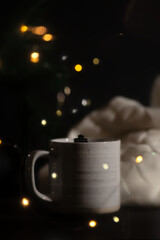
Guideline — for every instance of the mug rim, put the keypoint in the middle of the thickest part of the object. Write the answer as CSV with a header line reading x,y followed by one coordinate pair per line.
x,y
90,140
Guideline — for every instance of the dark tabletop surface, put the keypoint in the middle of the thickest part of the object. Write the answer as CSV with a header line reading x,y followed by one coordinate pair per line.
x,y
37,221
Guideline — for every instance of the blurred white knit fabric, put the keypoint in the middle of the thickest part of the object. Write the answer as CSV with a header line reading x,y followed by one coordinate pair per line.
x,y
138,127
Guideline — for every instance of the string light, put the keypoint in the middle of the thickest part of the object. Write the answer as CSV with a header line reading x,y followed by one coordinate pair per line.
x,y
44,122
60,97
78,67
23,28
54,175
86,102
96,61
64,57
139,159
34,57
74,110
40,30
47,37
116,219
92,223
105,166
59,113
25,202
67,90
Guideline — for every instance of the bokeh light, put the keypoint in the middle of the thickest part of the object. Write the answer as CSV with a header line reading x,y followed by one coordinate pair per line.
x,y
116,219
39,30
92,223
78,67
34,57
105,166
47,37
25,202
59,113
96,61
23,28
139,159
64,57
54,175
74,110
60,97
44,122
67,90
86,102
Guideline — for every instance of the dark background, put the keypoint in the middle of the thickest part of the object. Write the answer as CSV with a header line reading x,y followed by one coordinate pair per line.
x,y
125,36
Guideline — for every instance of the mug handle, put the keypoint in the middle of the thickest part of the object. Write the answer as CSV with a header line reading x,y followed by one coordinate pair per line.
x,y
30,175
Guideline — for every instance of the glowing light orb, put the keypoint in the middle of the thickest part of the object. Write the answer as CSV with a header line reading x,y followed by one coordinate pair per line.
x,y
23,28
96,61
59,113
54,175
47,37
78,67
60,97
39,30
74,110
116,219
84,102
105,166
139,159
34,57
64,57
67,90
43,122
92,223
25,202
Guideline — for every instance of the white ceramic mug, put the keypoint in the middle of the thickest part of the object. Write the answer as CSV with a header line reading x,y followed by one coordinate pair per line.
x,y
84,176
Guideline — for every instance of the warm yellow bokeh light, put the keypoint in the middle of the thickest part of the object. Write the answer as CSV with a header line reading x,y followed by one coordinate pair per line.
x,y
43,122
24,28
25,202
116,219
54,175
96,61
60,97
34,57
47,37
105,166
139,159
78,67
67,90
59,113
92,223
39,30
0,141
